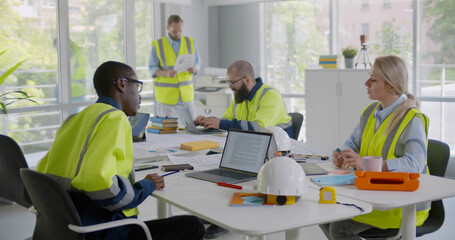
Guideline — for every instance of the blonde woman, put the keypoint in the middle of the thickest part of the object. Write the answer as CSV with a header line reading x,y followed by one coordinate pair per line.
x,y
392,128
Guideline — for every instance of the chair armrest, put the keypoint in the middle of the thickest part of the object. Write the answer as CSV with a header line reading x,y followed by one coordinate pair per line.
x,y
107,225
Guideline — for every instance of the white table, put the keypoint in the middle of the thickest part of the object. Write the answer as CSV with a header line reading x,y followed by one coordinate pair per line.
x,y
431,188
211,202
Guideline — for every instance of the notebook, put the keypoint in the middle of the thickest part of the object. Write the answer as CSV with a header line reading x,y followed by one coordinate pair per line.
x,y
313,169
185,117
243,156
139,125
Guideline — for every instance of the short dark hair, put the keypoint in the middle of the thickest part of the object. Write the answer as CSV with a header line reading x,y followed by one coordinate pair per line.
x,y
174,19
107,73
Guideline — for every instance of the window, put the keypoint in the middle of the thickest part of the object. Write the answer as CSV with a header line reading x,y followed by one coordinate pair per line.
x,y
365,29
436,82
365,4
384,37
96,33
296,34
144,37
386,4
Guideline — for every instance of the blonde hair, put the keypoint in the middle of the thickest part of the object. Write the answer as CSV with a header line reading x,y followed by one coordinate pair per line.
x,y
395,73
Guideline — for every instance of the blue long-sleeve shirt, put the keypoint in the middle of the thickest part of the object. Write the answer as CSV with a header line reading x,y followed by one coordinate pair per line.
x,y
411,144
154,62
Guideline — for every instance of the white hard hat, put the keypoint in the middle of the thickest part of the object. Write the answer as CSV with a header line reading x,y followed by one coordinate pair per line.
x,y
282,176
281,138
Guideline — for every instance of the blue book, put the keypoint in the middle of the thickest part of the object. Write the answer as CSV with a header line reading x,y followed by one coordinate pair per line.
x,y
161,131
163,119
334,180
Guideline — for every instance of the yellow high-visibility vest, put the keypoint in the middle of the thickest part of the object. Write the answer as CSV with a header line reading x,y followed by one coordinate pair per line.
x,y
376,143
168,90
94,170
267,97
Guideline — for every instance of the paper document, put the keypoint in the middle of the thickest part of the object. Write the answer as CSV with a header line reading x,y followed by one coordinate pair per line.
x,y
184,62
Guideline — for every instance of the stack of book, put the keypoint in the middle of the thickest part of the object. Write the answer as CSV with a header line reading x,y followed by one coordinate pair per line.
x,y
328,61
162,125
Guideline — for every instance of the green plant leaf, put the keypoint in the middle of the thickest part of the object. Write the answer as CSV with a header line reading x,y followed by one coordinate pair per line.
x,y
3,107
11,70
2,52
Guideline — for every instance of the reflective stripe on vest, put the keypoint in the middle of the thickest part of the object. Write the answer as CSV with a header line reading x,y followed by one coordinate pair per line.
x,y
169,90
114,189
375,143
254,124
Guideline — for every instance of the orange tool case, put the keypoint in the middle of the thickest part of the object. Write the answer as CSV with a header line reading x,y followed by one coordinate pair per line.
x,y
389,181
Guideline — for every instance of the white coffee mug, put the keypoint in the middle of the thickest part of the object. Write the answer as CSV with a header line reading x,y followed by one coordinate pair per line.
x,y
372,164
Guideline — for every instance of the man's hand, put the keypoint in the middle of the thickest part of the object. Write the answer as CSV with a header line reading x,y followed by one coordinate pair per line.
x,y
212,123
192,70
199,121
171,73
156,179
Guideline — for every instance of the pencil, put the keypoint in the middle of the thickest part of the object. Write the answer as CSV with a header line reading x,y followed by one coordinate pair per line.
x,y
167,174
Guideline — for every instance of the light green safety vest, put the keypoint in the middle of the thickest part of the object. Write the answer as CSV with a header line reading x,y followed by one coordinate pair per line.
x,y
248,111
168,90
86,157
376,143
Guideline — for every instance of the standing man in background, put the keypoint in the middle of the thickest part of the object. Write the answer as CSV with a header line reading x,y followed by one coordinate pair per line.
x,y
173,88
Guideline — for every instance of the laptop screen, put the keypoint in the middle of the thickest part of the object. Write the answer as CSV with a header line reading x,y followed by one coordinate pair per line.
x,y
185,116
245,150
139,124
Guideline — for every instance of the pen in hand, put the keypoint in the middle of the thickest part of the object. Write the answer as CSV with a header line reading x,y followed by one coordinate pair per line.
x,y
167,174
344,157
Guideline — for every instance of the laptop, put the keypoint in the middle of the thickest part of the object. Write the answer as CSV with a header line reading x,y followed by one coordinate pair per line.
x,y
313,169
243,156
139,125
185,117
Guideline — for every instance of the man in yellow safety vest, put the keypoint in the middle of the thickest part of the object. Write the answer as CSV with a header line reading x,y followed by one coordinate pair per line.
x,y
172,87
92,158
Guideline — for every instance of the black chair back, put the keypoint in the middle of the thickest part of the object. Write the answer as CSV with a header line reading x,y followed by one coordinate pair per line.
x,y
54,205
297,120
11,160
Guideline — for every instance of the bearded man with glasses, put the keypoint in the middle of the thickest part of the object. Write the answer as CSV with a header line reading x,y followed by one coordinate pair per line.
x,y
256,105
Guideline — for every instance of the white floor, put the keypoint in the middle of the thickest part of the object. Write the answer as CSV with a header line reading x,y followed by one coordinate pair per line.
x,y
17,223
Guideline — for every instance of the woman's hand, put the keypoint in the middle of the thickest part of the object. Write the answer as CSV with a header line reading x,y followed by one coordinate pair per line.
x,y
337,159
353,159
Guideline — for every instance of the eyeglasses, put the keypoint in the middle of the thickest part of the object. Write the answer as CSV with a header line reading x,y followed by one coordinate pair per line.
x,y
232,83
138,83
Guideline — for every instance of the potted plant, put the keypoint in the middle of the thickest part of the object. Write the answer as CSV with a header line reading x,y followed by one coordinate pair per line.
x,y
12,96
349,53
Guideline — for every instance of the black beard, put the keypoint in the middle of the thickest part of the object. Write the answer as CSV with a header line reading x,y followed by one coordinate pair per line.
x,y
241,94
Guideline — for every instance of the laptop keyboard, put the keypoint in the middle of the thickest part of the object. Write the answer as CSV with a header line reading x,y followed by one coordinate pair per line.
x,y
209,131
230,174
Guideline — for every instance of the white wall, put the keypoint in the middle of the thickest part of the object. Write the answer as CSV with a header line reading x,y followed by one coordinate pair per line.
x,y
223,34
238,34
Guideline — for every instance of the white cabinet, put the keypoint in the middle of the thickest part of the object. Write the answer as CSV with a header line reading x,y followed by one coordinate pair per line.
x,y
334,99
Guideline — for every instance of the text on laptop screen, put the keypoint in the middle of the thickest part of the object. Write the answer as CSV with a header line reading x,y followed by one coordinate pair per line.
x,y
245,151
